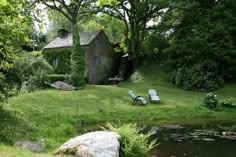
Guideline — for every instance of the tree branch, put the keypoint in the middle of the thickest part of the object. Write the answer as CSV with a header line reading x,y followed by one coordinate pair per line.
x,y
55,7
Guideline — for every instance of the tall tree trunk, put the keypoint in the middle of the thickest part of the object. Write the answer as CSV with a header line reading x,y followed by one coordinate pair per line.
x,y
77,58
133,49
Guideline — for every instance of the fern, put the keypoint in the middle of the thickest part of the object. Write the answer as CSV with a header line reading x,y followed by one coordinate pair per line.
x,y
132,142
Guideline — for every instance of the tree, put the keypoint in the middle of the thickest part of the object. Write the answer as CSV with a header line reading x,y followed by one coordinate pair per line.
x,y
73,10
135,15
202,51
113,27
32,68
56,22
12,37
154,45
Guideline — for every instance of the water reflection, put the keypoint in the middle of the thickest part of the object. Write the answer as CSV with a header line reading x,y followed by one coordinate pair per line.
x,y
177,141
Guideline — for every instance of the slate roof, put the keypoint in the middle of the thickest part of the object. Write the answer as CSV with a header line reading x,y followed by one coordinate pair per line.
x,y
61,42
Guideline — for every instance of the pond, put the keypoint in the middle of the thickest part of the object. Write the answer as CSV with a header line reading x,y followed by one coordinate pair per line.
x,y
188,141
178,141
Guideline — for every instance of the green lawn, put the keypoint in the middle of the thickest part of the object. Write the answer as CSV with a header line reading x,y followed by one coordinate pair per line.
x,y
56,116
8,151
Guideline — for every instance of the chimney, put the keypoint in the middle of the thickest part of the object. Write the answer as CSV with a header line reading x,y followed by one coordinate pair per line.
x,y
62,33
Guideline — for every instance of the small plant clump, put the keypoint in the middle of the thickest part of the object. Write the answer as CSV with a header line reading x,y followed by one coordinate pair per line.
x,y
227,103
132,142
210,101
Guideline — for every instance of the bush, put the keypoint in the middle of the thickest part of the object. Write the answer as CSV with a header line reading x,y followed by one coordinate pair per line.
x,y
132,142
201,76
55,77
210,101
227,103
31,68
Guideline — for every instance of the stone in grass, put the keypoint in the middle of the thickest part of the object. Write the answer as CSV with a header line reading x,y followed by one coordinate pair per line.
x,y
94,144
35,146
61,85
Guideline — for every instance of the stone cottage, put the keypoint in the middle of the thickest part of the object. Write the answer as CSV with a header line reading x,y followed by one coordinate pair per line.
x,y
99,55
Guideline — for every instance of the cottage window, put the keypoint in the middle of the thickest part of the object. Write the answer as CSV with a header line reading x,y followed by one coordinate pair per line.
x,y
55,62
96,60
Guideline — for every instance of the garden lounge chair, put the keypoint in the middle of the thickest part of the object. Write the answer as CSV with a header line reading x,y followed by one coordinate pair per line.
x,y
137,99
153,96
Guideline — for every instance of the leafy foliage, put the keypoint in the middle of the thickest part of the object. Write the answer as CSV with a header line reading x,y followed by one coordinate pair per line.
x,y
210,101
202,51
12,37
133,143
63,56
135,15
55,77
227,103
57,22
31,67
113,27
201,76
77,61
154,45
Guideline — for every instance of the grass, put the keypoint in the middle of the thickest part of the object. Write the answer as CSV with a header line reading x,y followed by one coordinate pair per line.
x,y
56,116
9,151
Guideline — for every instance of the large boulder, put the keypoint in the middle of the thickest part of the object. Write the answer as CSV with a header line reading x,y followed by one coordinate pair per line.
x,y
94,144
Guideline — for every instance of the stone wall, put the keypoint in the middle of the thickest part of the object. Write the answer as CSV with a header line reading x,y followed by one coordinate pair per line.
x,y
100,60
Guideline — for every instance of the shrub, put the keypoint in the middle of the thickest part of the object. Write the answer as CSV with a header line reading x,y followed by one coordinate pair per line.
x,y
210,101
55,77
132,142
201,76
227,103
31,68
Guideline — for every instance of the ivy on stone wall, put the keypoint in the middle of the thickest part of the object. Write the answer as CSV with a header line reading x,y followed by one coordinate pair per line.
x,y
63,59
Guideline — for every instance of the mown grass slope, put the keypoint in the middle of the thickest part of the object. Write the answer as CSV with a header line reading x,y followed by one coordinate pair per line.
x,y
57,116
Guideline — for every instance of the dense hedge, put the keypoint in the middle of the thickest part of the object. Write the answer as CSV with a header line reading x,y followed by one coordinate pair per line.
x,y
55,77
200,76
63,56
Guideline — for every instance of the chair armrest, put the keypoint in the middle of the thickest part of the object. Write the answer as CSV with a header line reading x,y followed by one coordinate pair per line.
x,y
137,97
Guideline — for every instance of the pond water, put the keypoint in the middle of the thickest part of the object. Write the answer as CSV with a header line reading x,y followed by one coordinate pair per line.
x,y
177,141
188,141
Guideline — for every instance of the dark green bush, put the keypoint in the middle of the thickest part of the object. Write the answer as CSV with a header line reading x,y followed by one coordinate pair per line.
x,y
55,77
202,50
201,76
210,101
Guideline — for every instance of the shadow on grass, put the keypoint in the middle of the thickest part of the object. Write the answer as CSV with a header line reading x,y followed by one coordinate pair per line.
x,y
9,124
